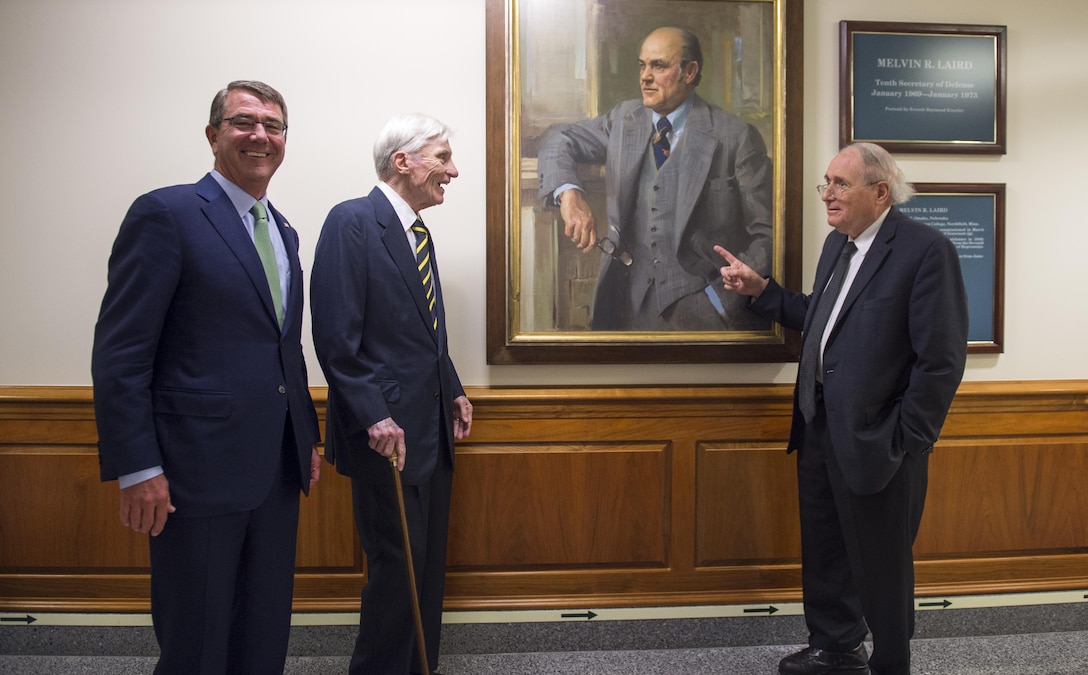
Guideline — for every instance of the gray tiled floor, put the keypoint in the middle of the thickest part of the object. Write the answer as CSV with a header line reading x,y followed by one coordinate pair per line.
x,y
1033,640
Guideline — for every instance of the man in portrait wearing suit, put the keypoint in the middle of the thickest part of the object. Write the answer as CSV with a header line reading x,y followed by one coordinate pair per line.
x,y
201,398
379,324
883,351
680,175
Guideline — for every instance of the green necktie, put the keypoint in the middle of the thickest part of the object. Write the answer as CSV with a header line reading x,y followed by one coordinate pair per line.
x,y
263,242
423,260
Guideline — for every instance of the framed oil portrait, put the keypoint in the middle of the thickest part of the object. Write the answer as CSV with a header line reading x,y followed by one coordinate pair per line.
x,y
629,274
917,87
972,215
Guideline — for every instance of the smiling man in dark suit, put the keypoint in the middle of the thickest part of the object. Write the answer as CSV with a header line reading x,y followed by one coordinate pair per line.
x,y
379,324
884,349
201,399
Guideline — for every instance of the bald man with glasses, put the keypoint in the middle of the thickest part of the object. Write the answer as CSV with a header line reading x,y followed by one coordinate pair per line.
x,y
883,351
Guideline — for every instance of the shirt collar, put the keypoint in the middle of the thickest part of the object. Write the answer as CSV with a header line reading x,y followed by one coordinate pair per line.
x,y
242,200
407,216
865,240
679,117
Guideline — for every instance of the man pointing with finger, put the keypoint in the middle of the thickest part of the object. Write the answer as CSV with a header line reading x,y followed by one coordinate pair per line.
x,y
883,350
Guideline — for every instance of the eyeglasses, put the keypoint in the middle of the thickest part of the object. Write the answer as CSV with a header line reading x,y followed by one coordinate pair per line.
x,y
611,248
247,123
837,189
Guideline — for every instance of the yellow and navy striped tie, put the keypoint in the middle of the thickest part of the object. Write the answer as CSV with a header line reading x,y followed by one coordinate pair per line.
x,y
423,260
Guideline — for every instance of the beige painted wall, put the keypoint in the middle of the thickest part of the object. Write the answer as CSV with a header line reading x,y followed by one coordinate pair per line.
x,y
106,99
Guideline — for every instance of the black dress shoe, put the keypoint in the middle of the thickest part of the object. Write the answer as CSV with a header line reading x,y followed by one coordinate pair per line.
x,y
812,661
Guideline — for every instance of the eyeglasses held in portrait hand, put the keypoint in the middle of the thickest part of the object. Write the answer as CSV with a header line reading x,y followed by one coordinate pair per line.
x,y
247,123
611,248
837,189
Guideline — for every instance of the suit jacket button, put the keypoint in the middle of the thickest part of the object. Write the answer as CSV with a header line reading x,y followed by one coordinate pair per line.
x,y
282,389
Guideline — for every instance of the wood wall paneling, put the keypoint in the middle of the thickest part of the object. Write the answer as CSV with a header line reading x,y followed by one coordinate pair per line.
x,y
591,497
1022,496
552,505
746,506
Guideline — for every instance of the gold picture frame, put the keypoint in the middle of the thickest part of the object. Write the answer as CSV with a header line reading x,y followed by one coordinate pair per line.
x,y
560,61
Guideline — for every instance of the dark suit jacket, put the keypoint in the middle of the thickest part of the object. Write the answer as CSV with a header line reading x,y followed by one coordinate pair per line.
x,y
191,371
896,354
374,339
725,194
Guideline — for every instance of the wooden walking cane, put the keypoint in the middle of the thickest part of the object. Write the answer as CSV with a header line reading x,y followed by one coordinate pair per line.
x,y
421,643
